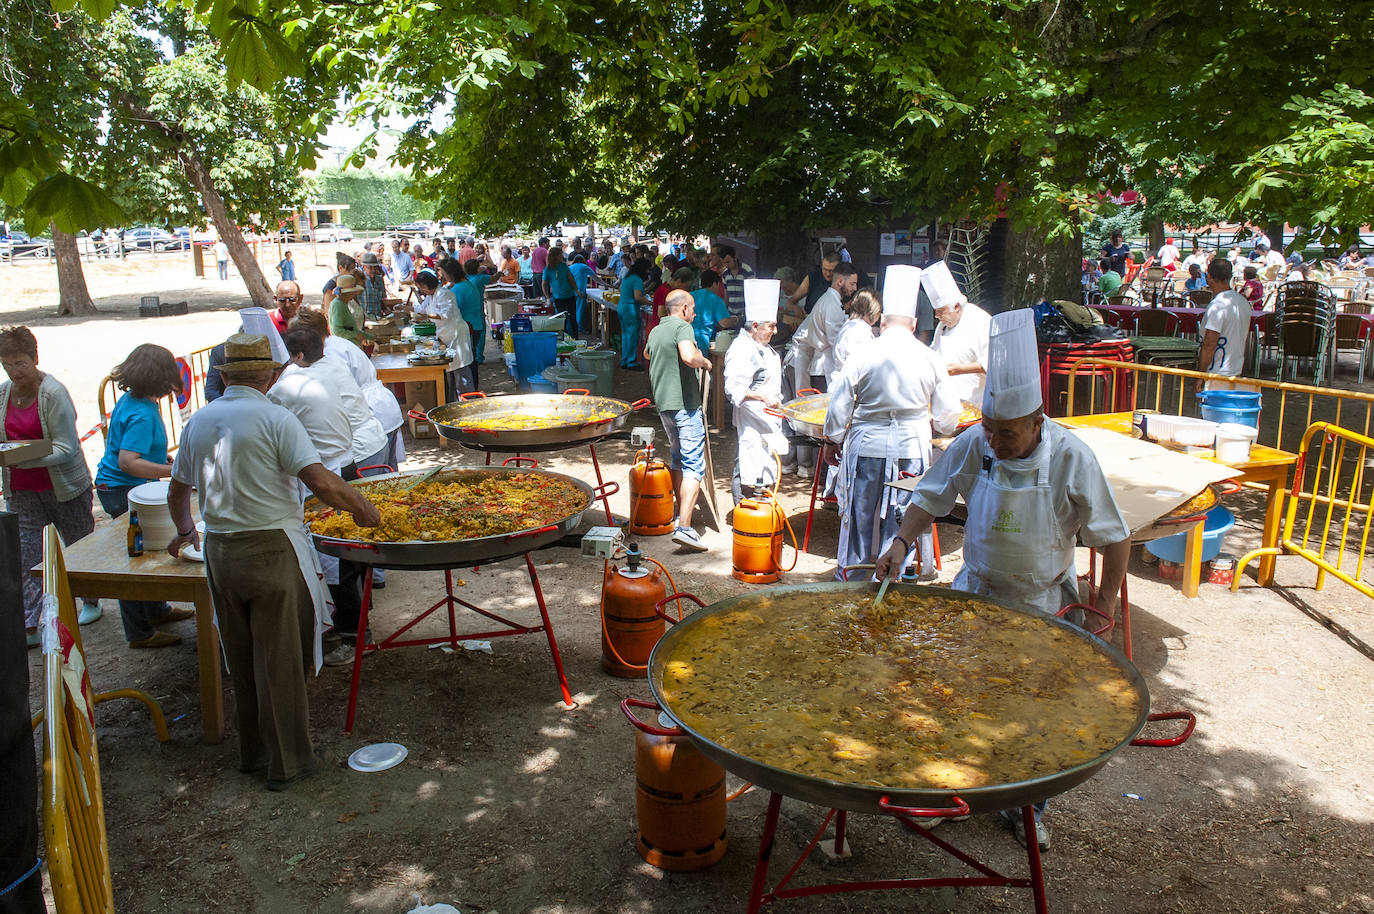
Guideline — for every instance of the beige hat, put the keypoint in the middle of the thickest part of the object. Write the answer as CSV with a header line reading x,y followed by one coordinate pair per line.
x,y
247,352
347,284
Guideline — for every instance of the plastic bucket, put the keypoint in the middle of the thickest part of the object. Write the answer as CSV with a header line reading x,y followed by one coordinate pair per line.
x,y
601,363
1234,442
539,384
1241,407
1171,548
533,353
573,380
149,501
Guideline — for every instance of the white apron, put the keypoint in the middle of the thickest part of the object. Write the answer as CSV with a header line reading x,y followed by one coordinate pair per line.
x,y
1015,548
760,435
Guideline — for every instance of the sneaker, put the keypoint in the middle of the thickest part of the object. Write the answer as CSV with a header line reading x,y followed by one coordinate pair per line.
x,y
90,611
689,538
341,654
157,639
1012,819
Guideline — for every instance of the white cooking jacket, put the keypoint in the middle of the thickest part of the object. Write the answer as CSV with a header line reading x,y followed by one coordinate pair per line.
x,y
827,319
855,335
889,396
751,367
967,342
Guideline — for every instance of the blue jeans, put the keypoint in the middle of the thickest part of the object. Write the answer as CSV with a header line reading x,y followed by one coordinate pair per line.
x,y
686,431
224,269
138,615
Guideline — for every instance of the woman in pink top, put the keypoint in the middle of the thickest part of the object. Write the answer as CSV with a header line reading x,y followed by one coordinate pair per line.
x,y
55,489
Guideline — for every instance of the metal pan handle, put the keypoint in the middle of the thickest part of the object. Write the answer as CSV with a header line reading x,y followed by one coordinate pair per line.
x,y
658,607
472,395
1232,487
844,572
350,544
606,490
1170,742
641,403
520,461
534,532
579,391
960,808
417,414
377,466
807,391
629,703
1099,632
776,413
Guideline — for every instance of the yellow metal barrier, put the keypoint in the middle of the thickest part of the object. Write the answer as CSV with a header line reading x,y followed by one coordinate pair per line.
x,y
1327,494
199,361
61,605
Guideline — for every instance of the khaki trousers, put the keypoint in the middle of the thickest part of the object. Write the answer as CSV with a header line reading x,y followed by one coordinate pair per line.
x,y
267,626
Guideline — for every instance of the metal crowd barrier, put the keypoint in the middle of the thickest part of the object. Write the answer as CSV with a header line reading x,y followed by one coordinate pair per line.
x,y
1329,501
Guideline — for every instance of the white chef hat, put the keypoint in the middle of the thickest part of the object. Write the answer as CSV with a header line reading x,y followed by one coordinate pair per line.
x,y
258,321
940,286
901,286
761,299
1013,387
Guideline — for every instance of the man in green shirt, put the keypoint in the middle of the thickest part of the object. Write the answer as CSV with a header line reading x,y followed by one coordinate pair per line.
x,y
673,362
1110,281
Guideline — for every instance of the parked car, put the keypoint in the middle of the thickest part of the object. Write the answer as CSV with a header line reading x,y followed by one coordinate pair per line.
x,y
149,238
421,228
18,244
333,232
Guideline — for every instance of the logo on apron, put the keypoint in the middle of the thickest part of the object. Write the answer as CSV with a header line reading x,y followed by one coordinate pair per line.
x,y
1006,522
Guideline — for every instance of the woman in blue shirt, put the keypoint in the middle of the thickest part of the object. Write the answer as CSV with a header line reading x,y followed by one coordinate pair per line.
x,y
631,297
475,312
712,312
135,452
559,283
581,273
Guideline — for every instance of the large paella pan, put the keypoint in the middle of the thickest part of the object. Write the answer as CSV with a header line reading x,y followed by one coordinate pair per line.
x,y
456,518
807,414
809,692
531,422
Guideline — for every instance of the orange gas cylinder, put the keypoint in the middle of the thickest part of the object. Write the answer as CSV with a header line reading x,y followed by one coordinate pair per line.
x,y
679,796
758,540
629,626
651,496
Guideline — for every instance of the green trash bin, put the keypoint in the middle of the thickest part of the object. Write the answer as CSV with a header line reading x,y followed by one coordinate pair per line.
x,y
599,362
572,380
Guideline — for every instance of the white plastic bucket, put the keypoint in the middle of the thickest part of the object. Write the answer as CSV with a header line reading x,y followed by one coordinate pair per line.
x,y
150,501
1234,441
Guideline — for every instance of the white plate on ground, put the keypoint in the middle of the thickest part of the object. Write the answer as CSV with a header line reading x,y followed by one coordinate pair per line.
x,y
378,757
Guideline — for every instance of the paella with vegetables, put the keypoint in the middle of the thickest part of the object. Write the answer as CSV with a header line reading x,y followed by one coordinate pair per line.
x,y
466,506
921,693
526,422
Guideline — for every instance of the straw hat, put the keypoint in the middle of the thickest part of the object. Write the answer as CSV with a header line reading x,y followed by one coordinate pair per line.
x,y
247,352
347,284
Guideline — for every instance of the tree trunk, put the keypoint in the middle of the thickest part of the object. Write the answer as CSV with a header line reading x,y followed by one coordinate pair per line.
x,y
1156,230
73,298
1040,269
229,233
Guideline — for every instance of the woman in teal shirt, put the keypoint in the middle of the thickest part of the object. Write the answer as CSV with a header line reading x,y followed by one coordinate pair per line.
x,y
135,452
469,299
562,288
631,297
474,310
712,312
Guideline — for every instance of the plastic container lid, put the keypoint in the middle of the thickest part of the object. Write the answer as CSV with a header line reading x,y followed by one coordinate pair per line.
x,y
1237,432
378,757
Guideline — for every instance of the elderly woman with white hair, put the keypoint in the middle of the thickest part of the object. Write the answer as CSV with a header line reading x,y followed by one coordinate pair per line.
x,y
753,384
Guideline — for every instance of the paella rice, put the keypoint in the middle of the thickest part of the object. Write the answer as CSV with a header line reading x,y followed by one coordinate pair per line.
x,y
466,507
921,693
528,422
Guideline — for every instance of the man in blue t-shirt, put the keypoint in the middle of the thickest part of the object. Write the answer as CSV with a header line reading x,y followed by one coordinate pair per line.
x,y
712,313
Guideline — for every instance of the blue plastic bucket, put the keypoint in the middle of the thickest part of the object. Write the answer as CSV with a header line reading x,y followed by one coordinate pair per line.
x,y
533,353
539,384
1239,406
1171,548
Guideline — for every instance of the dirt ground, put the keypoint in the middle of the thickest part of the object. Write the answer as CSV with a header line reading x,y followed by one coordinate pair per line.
x,y
511,802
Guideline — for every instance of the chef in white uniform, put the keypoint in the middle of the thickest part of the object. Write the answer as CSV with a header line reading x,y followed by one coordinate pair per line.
x,y
1032,489
864,310
961,334
753,385
883,408
827,320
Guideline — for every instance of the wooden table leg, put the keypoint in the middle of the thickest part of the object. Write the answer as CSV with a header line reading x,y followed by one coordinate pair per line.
x,y
208,659
1273,516
1192,560
441,397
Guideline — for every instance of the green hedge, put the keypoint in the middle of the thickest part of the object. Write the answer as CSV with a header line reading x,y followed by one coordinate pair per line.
x,y
362,190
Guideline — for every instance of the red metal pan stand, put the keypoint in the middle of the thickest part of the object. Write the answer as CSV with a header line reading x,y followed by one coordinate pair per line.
x,y
449,604
760,894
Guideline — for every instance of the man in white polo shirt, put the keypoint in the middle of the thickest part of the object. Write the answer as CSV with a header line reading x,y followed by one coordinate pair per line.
x,y
1225,327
